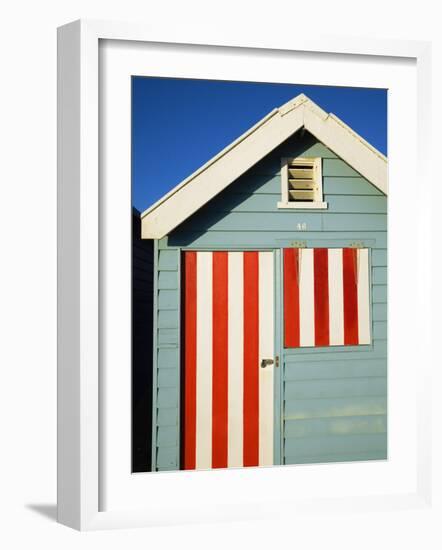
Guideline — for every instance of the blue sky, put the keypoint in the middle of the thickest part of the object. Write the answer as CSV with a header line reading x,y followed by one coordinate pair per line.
x,y
179,124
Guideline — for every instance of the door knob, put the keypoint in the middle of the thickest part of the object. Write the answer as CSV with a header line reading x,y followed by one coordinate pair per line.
x,y
265,362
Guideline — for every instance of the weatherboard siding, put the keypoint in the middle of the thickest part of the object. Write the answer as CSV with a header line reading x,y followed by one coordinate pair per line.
x,y
334,400
166,429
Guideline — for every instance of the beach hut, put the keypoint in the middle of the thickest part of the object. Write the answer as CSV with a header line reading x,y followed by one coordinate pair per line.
x,y
270,300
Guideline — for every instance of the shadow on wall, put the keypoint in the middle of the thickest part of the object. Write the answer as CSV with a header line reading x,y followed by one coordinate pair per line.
x,y
259,175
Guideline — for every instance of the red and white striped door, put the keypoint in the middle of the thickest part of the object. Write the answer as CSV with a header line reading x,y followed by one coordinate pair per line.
x,y
228,317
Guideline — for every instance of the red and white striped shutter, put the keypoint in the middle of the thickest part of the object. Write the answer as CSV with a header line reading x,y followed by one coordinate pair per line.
x,y
326,297
228,314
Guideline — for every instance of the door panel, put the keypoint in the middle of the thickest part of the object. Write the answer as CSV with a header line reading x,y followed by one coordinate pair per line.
x,y
326,297
228,321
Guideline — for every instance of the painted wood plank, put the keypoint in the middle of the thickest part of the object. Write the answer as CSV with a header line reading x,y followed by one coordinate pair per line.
x,y
313,370
168,358
303,146
222,240
379,293
363,291
321,294
167,436
329,242
269,166
306,298
168,319
167,280
167,378
380,330
315,150
246,202
260,202
355,204
379,257
235,359
291,297
168,299
168,260
167,336
349,264
349,186
309,446
354,222
335,290
330,388
335,426
380,454
167,417
344,406
220,345
189,359
255,184
252,221
167,456
337,167
204,361
376,350
266,350
251,359
380,312
167,397
163,243
379,275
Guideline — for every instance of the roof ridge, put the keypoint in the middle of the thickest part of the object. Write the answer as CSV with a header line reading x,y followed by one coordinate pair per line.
x,y
237,157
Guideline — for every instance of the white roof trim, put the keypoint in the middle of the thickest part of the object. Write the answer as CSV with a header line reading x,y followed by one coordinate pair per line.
x,y
224,168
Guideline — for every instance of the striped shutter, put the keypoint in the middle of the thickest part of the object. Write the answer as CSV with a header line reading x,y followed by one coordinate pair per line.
x,y
228,320
326,297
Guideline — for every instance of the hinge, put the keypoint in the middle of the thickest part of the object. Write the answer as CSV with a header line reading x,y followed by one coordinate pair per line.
x,y
298,244
357,244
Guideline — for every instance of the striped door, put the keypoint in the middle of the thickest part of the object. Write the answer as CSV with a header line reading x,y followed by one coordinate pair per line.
x,y
228,319
326,297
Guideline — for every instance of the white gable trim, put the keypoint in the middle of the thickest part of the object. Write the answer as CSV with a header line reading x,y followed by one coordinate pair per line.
x,y
214,176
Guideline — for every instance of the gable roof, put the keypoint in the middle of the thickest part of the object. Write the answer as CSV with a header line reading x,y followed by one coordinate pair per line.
x,y
225,167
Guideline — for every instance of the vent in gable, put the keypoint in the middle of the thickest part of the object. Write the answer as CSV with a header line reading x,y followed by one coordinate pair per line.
x,y
301,183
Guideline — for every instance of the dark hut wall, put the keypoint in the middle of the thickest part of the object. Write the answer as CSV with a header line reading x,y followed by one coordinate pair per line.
x,y
142,347
334,403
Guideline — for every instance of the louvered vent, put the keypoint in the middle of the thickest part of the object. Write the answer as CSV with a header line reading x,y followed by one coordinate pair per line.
x,y
302,184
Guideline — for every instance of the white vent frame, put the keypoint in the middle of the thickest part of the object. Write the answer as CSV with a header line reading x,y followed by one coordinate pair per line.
x,y
318,203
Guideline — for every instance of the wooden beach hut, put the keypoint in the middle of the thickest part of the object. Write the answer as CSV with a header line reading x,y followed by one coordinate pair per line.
x,y
270,300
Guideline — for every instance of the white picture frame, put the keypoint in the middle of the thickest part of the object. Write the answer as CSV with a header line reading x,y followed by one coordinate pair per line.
x,y
83,398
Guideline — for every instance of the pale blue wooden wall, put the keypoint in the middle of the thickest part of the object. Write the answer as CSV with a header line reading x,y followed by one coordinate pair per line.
x,y
334,404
